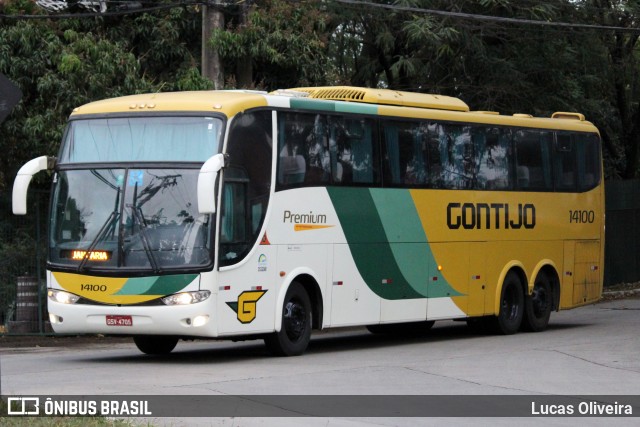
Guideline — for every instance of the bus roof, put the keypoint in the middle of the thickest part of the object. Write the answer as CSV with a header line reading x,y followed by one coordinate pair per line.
x,y
343,99
385,97
227,102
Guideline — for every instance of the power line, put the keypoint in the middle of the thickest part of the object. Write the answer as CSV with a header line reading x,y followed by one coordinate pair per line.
x,y
444,13
488,18
123,11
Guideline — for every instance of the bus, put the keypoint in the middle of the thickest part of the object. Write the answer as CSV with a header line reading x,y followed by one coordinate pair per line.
x,y
253,215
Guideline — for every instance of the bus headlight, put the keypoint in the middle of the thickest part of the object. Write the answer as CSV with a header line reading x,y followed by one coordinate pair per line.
x,y
186,298
62,297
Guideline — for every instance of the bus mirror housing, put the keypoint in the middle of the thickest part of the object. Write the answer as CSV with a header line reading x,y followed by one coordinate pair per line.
x,y
21,184
206,184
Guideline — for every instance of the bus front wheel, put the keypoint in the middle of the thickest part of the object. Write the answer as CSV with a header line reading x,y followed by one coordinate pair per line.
x,y
155,344
295,331
537,306
509,318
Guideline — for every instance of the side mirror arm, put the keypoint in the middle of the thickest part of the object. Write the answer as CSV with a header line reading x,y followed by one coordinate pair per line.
x,y
23,179
207,182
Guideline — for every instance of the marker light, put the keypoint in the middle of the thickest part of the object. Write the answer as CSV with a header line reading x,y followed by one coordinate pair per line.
x,y
186,298
62,297
53,319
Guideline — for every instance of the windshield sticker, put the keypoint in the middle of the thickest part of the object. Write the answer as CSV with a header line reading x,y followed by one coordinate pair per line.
x,y
136,177
262,262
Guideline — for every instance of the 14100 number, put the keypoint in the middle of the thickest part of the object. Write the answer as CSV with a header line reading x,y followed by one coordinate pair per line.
x,y
581,217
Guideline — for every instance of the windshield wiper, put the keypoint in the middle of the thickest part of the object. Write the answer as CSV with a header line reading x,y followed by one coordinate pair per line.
x,y
137,215
101,233
108,224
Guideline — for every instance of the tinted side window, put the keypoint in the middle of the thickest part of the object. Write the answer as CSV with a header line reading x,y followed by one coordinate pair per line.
x,y
456,156
406,154
492,154
588,153
564,165
352,141
319,149
303,148
533,160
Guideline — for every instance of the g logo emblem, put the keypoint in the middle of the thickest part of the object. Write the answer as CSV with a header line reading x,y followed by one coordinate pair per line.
x,y
246,306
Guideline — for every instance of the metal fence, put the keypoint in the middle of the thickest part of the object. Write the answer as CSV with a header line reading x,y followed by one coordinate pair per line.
x,y
23,248
22,265
622,235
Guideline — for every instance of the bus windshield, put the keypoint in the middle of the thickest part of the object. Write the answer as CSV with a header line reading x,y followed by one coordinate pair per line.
x,y
145,219
135,206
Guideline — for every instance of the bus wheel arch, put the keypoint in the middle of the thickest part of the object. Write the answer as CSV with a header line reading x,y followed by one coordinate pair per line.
x,y
299,310
542,300
296,322
315,295
510,302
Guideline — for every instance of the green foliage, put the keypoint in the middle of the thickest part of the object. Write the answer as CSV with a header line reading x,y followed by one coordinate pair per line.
x,y
286,43
60,65
507,67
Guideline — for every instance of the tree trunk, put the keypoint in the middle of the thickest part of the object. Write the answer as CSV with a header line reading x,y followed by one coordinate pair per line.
x,y
212,18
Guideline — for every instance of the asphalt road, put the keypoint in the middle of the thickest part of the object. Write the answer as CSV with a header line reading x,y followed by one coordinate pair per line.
x,y
592,350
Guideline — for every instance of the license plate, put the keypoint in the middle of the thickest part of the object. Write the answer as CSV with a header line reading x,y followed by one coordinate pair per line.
x,y
116,320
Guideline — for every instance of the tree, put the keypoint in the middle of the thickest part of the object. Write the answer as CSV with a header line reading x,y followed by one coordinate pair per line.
x,y
56,73
62,64
286,44
506,67
622,86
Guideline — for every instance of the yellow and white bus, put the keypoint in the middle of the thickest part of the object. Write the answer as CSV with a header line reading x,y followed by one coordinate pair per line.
x,y
239,214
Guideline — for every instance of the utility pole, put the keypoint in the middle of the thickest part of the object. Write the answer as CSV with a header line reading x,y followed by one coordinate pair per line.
x,y
212,18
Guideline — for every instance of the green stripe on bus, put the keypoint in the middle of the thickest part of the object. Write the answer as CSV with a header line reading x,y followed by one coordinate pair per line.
x,y
157,285
368,244
388,243
312,104
356,108
411,251
341,107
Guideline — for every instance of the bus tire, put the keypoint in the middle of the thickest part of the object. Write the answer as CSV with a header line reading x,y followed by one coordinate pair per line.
x,y
537,306
509,317
155,344
295,331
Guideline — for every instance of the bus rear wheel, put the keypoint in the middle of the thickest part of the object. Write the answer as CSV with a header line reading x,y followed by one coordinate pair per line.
x,y
509,318
537,306
155,344
295,331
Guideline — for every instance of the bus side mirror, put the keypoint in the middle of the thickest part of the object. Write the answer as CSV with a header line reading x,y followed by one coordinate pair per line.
x,y
206,184
21,184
